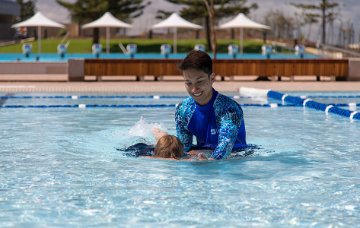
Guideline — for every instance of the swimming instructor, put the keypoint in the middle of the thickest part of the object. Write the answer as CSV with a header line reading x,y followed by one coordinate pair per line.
x,y
215,120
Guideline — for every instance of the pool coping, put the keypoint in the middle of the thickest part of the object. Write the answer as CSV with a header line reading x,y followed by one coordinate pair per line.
x,y
174,86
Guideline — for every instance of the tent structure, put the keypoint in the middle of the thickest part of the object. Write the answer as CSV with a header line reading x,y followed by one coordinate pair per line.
x,y
39,21
107,21
242,22
175,21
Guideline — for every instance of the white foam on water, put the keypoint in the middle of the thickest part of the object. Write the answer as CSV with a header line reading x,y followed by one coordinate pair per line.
x,y
143,129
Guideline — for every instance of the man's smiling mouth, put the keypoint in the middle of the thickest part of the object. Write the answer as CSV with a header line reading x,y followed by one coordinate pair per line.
x,y
197,94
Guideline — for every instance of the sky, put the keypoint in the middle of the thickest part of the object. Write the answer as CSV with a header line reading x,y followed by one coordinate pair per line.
x,y
349,12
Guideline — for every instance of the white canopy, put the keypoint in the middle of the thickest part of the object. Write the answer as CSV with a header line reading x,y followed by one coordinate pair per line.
x,y
175,21
38,20
107,21
241,21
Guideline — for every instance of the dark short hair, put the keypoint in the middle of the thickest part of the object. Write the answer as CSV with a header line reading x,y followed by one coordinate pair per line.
x,y
197,60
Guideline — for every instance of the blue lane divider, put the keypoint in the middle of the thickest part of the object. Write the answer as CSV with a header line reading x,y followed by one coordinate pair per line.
x,y
135,97
85,97
320,96
107,106
313,104
295,102
129,106
74,97
93,106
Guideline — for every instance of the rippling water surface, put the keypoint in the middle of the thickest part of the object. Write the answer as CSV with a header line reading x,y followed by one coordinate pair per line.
x,y
59,167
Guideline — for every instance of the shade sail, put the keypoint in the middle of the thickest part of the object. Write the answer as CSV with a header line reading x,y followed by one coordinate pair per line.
x,y
38,20
107,21
242,22
175,21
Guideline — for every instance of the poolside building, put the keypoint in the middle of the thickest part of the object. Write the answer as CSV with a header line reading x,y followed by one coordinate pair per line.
x,y
9,10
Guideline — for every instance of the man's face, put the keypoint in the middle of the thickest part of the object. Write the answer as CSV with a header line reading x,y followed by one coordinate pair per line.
x,y
199,85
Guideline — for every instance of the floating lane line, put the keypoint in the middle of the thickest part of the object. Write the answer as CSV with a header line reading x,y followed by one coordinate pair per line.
x,y
303,101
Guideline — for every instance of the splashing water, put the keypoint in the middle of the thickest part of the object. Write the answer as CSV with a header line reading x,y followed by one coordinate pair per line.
x,y
143,129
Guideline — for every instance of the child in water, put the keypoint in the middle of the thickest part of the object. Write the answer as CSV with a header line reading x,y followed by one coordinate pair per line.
x,y
167,147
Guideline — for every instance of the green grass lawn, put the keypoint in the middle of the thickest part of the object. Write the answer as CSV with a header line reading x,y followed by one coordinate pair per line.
x,y
144,45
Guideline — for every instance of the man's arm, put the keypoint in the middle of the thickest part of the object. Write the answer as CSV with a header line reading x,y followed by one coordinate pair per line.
x,y
228,131
182,133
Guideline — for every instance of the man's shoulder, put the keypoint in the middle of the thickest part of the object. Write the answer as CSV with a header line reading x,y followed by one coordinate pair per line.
x,y
187,101
185,106
225,102
225,106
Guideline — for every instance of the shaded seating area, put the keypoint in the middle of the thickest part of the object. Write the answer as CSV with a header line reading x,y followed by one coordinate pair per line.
x,y
107,21
38,21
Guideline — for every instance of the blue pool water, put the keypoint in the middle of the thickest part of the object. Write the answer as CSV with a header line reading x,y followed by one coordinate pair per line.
x,y
53,57
59,167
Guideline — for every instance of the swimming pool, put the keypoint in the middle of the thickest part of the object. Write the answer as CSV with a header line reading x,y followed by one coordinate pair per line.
x,y
59,166
53,57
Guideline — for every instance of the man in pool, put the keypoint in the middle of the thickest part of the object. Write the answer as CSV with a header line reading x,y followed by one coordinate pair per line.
x,y
215,120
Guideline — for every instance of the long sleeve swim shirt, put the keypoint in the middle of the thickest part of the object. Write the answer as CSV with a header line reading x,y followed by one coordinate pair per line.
x,y
218,125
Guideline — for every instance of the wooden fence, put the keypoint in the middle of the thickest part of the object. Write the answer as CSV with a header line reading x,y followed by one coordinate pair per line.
x,y
334,68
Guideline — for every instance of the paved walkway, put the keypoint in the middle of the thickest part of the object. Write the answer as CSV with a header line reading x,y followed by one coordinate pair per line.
x,y
170,86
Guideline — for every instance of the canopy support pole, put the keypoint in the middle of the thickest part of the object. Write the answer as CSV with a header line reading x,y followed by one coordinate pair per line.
x,y
107,40
39,40
175,40
241,40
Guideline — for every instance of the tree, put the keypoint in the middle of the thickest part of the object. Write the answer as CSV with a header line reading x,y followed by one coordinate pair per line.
x,y
282,26
27,9
212,22
208,12
83,11
325,12
310,19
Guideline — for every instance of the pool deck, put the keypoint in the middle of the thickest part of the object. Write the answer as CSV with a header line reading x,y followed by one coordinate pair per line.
x,y
172,86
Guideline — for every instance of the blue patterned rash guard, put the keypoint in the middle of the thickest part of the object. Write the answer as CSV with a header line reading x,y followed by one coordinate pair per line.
x,y
218,125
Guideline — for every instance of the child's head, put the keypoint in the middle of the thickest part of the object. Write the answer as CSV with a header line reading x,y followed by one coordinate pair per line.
x,y
168,146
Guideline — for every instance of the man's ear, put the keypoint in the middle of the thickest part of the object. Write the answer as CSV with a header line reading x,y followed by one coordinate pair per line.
x,y
212,77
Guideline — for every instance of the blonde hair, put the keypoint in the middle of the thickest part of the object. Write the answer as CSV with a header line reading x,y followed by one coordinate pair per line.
x,y
169,146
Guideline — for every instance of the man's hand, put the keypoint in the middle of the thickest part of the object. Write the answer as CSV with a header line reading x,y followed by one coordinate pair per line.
x,y
202,156
193,152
